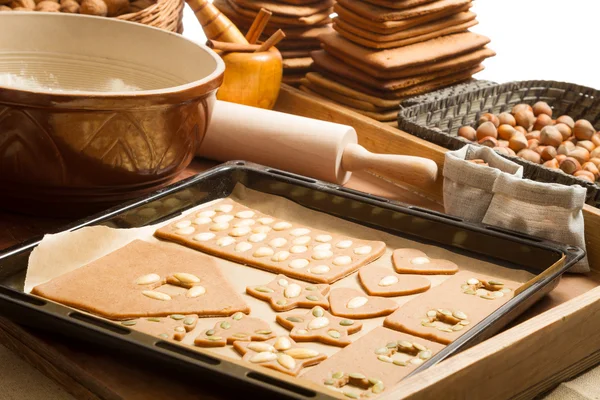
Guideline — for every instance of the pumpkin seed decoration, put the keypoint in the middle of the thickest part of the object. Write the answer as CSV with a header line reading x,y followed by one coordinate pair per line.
x,y
295,319
312,298
400,363
337,375
310,288
237,316
419,347
210,332
263,332
163,335
346,322
318,312
374,381
385,359
263,289
329,382
153,319
351,395
378,387
496,283
405,345
425,354
225,325
281,302
214,338
382,350
188,321
356,375
334,334
240,335
180,329
131,322
177,317
391,345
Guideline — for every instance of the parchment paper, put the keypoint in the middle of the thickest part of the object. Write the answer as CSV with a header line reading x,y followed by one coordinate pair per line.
x,y
64,252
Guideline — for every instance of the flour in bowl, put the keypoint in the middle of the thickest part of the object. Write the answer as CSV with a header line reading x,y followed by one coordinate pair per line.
x,y
29,83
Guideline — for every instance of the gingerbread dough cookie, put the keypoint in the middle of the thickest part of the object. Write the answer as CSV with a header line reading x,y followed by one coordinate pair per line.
x,y
234,232
131,282
378,281
318,325
352,303
381,14
237,327
288,10
281,354
373,364
173,327
413,261
447,311
285,294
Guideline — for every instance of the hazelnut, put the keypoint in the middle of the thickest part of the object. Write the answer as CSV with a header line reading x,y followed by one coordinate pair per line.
x,y
517,142
596,139
525,118
520,107
521,129
539,149
116,7
551,163
27,4
533,135
502,143
503,150
468,132
595,153
488,141
93,7
595,161
565,147
532,144
530,155
564,130
583,130
580,154
586,144
570,165
542,108
506,131
69,6
560,157
489,117
47,6
591,167
506,119
5,8
548,153
585,175
550,136
487,129
565,119
541,121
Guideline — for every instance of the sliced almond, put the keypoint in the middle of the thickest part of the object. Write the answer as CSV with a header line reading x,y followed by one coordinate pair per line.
x,y
282,343
292,290
147,279
184,277
156,295
357,302
318,323
286,361
300,353
263,356
388,280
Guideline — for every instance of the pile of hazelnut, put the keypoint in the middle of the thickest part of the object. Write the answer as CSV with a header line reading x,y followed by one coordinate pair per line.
x,y
531,133
102,8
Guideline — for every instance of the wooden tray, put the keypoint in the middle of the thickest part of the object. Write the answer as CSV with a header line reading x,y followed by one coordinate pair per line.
x,y
515,356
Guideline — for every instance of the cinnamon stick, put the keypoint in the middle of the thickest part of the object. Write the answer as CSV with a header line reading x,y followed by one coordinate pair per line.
x,y
272,41
237,47
259,24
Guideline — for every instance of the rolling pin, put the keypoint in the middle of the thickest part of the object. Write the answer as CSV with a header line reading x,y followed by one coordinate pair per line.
x,y
319,149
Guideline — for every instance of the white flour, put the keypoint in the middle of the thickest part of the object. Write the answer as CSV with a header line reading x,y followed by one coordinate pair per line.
x,y
30,83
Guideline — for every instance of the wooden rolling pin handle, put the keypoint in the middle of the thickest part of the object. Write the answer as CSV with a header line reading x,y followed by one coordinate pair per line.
x,y
417,171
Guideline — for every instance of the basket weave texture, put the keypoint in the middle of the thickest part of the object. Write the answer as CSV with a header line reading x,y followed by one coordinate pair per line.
x,y
164,14
438,121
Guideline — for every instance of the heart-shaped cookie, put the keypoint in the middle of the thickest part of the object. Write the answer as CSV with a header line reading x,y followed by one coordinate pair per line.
x,y
351,303
413,261
378,281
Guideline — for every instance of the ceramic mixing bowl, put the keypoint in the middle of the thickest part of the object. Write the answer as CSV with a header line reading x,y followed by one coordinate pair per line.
x,y
95,111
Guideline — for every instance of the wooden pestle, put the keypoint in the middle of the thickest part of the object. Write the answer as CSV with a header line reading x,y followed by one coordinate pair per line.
x,y
215,24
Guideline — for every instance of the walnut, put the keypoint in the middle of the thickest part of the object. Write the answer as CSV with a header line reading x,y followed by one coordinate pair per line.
x,y
27,4
116,7
5,8
47,6
69,6
93,7
39,1
140,5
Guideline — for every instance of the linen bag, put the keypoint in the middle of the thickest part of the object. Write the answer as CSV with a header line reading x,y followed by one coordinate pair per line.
x,y
547,210
468,186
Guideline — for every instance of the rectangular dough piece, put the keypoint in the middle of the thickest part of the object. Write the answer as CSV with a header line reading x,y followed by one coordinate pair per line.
x,y
232,231
381,14
371,357
450,297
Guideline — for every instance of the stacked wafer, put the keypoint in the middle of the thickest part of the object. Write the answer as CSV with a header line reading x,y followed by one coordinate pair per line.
x,y
301,20
384,51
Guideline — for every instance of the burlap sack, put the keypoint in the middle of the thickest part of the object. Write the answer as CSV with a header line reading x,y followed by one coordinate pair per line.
x,y
547,210
468,186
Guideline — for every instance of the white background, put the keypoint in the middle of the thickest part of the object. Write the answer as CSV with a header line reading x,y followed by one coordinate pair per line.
x,y
533,39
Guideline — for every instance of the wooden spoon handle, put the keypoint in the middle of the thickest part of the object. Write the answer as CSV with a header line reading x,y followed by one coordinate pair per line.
x,y
416,171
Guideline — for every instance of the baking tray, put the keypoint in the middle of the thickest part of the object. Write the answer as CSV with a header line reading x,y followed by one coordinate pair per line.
x,y
547,260
438,120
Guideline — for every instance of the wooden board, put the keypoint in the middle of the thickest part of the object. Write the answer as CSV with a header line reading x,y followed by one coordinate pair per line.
x,y
566,313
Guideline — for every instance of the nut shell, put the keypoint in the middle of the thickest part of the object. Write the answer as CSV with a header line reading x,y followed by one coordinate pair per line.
x,y
586,144
542,108
530,155
591,167
525,118
533,135
468,132
517,142
93,7
28,4
47,6
565,119
595,161
541,121
519,107
487,129
552,164
548,153
550,136
489,117
506,118
488,141
586,175
580,154
570,165
583,130
69,6
116,7
564,130
505,131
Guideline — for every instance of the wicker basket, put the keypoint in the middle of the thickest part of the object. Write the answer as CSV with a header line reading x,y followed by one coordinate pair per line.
x,y
164,14
438,121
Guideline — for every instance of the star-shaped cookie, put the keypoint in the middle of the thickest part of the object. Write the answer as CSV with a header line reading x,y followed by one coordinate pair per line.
x,y
285,294
413,261
318,325
351,303
281,354
378,281
173,327
237,327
